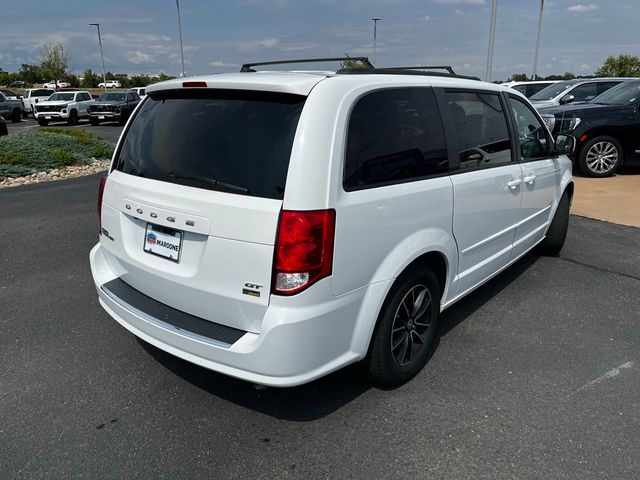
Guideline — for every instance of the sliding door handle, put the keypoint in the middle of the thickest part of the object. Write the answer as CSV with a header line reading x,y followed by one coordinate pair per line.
x,y
514,183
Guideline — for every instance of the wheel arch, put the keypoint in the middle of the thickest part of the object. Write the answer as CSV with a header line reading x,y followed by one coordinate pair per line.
x,y
601,131
440,257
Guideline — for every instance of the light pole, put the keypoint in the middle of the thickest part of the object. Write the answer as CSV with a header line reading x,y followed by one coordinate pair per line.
x,y
375,37
104,75
180,33
492,38
535,57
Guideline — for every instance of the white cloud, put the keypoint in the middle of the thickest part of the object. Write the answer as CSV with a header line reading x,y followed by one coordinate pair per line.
x,y
220,64
264,43
459,2
139,57
579,8
426,18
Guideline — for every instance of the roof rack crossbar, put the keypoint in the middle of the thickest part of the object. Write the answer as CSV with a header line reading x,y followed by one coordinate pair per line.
x,y
248,67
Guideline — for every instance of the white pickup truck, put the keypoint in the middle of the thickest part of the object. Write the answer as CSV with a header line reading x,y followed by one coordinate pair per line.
x,y
65,106
31,96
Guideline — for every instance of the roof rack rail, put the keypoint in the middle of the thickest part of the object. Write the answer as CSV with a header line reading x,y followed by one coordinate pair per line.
x,y
248,67
448,68
420,70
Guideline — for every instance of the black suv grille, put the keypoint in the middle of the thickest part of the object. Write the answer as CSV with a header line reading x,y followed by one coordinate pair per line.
x,y
102,108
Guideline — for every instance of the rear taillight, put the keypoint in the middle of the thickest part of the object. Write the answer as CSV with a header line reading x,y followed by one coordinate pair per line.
x,y
103,182
303,251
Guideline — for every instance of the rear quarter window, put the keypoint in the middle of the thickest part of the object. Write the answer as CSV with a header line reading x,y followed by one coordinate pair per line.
x,y
227,140
394,136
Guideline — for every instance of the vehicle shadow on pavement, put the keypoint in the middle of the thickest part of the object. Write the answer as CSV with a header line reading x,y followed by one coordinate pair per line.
x,y
326,395
460,311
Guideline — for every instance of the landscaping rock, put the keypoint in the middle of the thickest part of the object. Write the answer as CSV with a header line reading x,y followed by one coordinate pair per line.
x,y
95,166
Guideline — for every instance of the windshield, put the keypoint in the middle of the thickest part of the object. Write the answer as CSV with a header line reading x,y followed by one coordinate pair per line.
x,y
552,91
61,97
228,140
623,94
113,97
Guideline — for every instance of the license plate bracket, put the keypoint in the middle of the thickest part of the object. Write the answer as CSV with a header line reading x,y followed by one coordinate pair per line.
x,y
163,242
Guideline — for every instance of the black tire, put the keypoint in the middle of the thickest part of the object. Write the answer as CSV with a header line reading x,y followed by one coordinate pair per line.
x,y
43,123
73,118
600,157
16,115
389,362
124,115
94,122
557,233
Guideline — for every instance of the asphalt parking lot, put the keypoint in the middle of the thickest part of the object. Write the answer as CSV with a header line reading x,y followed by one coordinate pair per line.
x,y
109,131
536,375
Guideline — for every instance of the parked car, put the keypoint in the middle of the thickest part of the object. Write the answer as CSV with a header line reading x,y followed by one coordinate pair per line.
x,y
110,84
10,95
3,127
573,91
139,90
530,88
17,84
56,84
34,95
277,227
10,108
63,106
607,129
113,106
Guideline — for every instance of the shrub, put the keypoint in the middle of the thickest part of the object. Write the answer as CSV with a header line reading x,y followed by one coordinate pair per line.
x,y
12,158
103,150
26,153
62,157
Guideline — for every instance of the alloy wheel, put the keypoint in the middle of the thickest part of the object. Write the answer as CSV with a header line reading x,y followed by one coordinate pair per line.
x,y
602,157
410,325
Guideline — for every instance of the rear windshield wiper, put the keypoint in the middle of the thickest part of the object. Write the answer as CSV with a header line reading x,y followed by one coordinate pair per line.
x,y
210,181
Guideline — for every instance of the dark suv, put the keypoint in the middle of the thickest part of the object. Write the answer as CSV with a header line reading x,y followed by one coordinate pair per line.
x,y
113,106
607,129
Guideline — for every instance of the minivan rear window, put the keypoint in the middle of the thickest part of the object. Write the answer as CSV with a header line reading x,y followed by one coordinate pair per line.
x,y
234,141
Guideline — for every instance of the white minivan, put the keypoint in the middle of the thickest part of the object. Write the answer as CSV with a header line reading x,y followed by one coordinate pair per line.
x,y
277,226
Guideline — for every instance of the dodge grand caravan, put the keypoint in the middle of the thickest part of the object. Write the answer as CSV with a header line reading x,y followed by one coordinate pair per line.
x,y
277,226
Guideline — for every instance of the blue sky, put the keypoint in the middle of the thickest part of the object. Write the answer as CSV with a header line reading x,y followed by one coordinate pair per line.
x,y
141,36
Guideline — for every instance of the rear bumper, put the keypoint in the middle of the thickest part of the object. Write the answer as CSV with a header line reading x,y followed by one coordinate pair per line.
x,y
296,344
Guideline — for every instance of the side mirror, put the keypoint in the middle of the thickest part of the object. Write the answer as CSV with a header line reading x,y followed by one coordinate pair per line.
x,y
565,144
567,99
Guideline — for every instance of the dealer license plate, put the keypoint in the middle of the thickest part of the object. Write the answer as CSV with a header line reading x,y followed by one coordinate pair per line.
x,y
101,117
47,117
162,241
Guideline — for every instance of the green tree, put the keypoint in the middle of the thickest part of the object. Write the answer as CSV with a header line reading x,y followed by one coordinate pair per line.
x,y
90,79
140,80
620,66
519,77
73,80
54,60
349,63
123,78
31,73
161,78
